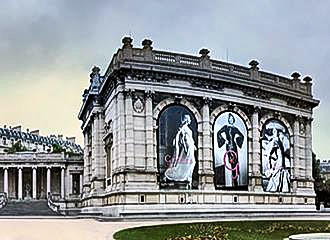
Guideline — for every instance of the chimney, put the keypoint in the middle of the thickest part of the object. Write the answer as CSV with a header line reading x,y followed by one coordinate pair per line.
x,y
17,128
27,130
35,132
71,139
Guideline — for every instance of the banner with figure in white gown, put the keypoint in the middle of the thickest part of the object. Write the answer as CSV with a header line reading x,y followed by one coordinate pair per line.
x,y
177,140
230,151
275,150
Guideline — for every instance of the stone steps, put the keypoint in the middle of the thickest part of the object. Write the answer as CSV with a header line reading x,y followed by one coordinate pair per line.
x,y
27,208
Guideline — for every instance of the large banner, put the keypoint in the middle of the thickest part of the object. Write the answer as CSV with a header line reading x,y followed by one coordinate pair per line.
x,y
275,152
177,146
230,151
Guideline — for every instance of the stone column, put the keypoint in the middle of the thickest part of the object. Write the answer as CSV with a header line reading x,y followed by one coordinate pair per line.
x,y
5,180
20,183
34,182
62,182
81,183
48,180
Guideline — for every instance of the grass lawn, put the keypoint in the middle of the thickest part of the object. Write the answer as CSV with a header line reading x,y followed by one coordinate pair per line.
x,y
245,230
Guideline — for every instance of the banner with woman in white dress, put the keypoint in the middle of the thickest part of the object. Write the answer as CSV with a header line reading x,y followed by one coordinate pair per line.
x,y
177,141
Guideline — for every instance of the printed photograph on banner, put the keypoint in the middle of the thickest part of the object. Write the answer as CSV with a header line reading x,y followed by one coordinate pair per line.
x,y
276,163
177,140
230,151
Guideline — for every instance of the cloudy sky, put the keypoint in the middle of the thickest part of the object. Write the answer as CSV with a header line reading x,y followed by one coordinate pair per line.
x,y
48,48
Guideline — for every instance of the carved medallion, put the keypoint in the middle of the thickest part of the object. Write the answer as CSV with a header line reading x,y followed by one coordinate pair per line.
x,y
138,105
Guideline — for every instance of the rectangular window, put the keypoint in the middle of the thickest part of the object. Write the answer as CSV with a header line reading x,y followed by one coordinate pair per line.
x,y
76,183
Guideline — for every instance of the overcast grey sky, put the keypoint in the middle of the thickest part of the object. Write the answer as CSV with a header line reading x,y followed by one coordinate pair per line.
x,y
47,48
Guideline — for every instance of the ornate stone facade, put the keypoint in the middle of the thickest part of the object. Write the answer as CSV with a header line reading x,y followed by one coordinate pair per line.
x,y
168,133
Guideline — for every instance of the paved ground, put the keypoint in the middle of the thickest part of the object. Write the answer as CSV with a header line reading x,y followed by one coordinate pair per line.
x,y
84,229
61,229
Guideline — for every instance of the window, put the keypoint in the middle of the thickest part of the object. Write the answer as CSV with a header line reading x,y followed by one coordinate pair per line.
x,y
76,183
4,141
142,198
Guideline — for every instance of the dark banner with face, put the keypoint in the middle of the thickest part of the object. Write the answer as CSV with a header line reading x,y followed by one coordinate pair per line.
x,y
230,151
275,151
177,148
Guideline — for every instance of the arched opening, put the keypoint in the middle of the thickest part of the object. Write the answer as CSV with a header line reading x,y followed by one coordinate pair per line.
x,y
177,148
230,152
275,156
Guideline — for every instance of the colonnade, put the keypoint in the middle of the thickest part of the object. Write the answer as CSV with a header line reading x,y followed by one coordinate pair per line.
x,y
34,181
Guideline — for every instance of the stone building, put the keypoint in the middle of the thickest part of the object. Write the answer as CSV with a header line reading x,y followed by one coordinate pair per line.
x,y
168,133
38,169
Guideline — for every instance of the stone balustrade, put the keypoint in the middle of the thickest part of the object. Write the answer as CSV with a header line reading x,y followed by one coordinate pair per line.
x,y
38,157
129,54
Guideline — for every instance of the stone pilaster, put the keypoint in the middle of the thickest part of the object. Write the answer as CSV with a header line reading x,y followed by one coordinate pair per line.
x,y
302,150
206,161
129,134
98,152
295,160
151,160
256,155
86,184
121,131
308,150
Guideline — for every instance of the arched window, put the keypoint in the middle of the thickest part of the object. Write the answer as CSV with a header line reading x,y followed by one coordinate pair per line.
x,y
275,155
230,152
177,148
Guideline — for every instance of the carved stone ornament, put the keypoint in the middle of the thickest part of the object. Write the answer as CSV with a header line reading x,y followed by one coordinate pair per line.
x,y
138,105
302,128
